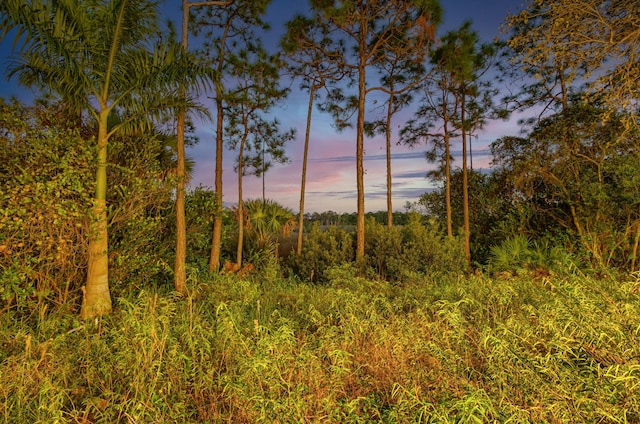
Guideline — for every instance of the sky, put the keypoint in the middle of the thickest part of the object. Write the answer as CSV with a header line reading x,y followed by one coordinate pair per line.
x,y
331,181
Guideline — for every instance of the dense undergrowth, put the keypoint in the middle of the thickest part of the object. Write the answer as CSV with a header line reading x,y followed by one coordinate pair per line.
x,y
257,349
537,330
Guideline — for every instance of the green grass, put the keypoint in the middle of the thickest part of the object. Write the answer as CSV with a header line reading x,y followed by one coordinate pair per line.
x,y
464,349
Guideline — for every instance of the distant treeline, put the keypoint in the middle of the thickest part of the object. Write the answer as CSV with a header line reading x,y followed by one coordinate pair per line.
x,y
349,218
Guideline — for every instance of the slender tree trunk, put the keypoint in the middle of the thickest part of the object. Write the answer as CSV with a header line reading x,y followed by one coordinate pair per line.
x,y
263,175
180,277
447,171
216,243
465,188
240,206
96,297
216,238
360,149
634,253
388,135
304,170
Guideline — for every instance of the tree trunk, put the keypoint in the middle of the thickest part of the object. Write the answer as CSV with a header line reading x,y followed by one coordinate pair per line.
x,y
216,238
360,146
304,170
240,206
388,135
216,242
634,253
180,276
465,187
447,171
96,297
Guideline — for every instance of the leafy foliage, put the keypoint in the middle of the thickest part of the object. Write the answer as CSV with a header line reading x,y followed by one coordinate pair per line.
x,y
578,180
494,218
322,250
140,203
566,44
411,251
45,196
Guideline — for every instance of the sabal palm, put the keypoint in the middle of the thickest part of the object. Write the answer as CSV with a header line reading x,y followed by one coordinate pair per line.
x,y
96,56
266,220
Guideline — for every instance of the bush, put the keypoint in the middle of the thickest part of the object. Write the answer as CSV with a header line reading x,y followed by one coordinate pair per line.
x,y
199,210
322,250
140,240
413,250
45,180
383,247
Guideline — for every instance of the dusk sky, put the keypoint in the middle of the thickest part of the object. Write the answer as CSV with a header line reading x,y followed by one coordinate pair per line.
x,y
331,182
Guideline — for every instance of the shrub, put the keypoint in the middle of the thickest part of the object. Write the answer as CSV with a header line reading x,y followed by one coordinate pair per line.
x,y
383,249
322,250
45,174
199,208
413,250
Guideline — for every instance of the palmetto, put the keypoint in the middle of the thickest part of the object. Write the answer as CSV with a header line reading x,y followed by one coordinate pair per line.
x,y
267,220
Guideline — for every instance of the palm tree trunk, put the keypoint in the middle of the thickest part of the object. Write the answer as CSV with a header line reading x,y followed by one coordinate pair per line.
x,y
96,297
304,170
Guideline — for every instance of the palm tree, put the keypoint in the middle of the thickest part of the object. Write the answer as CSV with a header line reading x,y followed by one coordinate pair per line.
x,y
97,57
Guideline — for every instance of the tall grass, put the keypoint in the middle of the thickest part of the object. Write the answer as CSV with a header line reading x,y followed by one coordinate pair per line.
x,y
464,349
